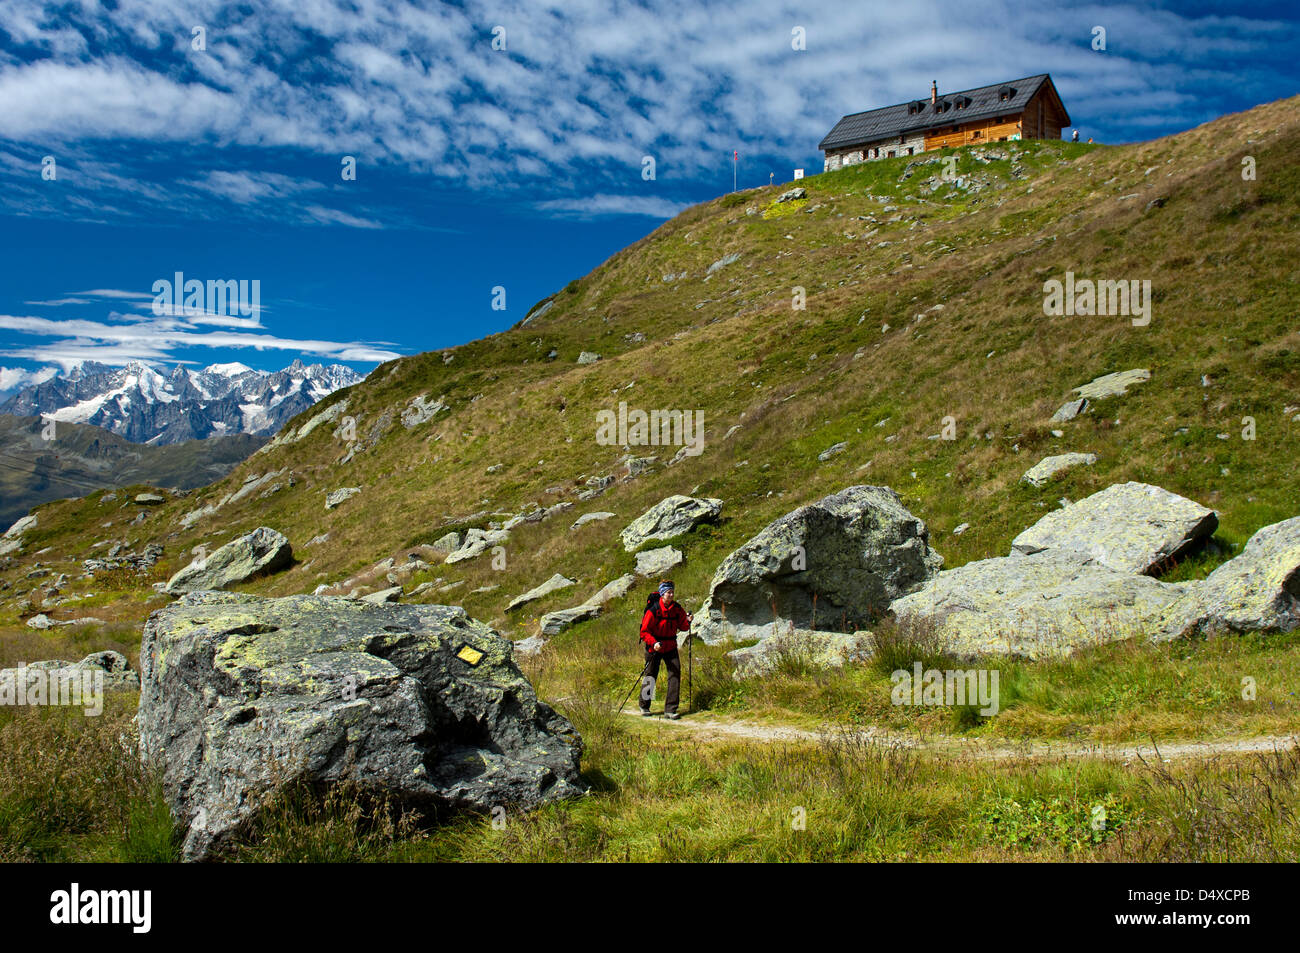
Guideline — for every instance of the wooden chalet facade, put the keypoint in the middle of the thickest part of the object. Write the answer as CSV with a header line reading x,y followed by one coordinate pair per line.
x,y
1027,108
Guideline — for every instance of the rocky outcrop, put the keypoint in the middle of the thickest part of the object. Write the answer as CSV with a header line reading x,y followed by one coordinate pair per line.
x,y
1128,527
420,411
838,562
242,696
256,553
1257,591
13,537
1044,605
668,518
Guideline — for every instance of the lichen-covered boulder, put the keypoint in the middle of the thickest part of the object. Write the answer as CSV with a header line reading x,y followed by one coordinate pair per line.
x,y
1040,606
1129,527
261,551
832,565
1258,591
243,695
668,518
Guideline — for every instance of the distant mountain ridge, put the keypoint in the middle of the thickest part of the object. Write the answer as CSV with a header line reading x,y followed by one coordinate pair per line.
x,y
142,405
84,459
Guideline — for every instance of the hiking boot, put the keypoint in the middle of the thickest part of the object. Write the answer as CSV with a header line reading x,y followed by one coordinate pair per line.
x,y
645,713
671,715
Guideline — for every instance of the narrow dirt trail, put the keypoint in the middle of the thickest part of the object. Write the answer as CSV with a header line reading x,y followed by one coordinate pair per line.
x,y
1001,750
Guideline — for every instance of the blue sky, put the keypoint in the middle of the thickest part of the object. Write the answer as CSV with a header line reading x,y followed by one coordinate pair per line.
x,y
479,167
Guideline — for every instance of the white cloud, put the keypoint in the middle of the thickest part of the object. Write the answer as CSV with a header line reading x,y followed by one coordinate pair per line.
x,y
12,378
157,338
584,89
597,205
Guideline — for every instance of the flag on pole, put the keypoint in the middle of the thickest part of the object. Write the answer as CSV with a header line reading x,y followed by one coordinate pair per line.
x,y
735,161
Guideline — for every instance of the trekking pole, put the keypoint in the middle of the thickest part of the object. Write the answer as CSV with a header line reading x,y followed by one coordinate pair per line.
x,y
690,672
634,685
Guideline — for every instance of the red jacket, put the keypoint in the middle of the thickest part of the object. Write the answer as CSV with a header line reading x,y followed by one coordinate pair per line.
x,y
664,626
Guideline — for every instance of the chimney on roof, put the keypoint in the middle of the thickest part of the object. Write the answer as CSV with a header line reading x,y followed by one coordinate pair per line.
x,y
934,91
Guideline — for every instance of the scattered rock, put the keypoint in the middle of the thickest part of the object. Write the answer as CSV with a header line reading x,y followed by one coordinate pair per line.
x,y
723,262
668,518
656,562
477,542
242,696
958,530
639,465
553,584
832,452
149,499
261,551
112,667
341,496
586,518
841,561
1113,385
1042,472
1069,410
793,195
553,623
383,596
588,357
1129,527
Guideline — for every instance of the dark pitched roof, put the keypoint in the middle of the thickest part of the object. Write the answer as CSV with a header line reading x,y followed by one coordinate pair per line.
x,y
979,103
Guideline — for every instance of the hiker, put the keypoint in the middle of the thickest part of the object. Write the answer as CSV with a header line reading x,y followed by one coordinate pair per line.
x,y
663,619
1075,136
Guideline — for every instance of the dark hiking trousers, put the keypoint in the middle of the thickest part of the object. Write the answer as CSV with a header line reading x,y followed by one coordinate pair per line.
x,y
673,663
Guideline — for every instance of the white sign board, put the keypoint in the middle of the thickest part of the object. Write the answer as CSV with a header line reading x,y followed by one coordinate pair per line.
x,y
798,173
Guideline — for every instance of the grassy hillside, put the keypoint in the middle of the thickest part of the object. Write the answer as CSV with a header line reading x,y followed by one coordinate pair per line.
x,y
924,301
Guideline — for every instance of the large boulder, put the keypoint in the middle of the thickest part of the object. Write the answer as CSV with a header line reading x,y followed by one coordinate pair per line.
x,y
244,695
832,565
1258,591
669,518
1129,527
1044,605
261,551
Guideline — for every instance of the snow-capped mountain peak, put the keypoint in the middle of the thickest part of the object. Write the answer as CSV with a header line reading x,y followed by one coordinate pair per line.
x,y
138,402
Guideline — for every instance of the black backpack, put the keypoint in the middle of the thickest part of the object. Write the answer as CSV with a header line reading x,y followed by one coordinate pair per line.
x,y
651,605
